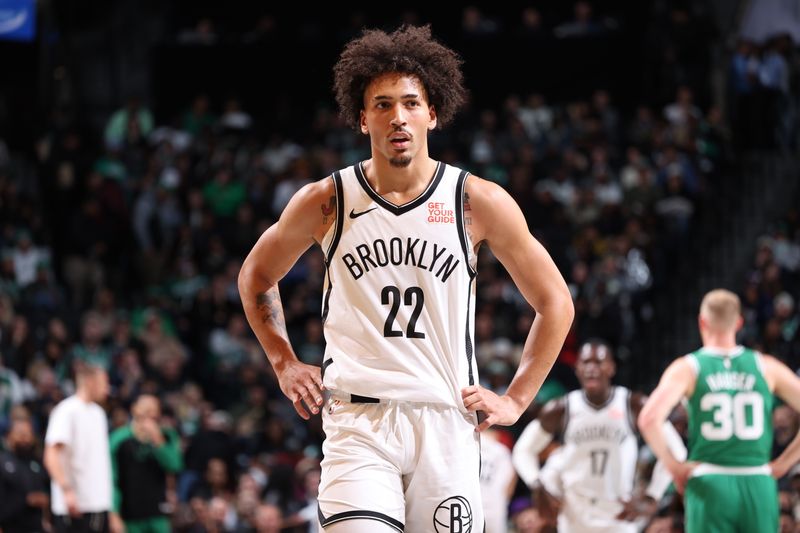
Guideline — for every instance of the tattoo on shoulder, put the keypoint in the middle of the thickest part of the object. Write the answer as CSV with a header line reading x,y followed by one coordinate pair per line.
x,y
467,207
270,307
329,210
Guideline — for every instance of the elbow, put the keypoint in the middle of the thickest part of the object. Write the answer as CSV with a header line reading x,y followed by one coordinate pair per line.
x,y
568,307
561,306
251,279
47,459
646,420
245,275
558,307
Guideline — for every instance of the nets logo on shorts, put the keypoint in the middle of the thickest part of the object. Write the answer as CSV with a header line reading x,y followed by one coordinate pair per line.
x,y
454,515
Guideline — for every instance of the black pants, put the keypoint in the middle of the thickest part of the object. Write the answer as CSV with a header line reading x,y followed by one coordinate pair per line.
x,y
85,523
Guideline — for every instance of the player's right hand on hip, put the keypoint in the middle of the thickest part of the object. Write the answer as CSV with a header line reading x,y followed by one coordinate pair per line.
x,y
681,474
302,384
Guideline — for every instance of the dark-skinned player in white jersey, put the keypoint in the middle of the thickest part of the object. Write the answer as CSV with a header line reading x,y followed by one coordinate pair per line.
x,y
400,233
587,484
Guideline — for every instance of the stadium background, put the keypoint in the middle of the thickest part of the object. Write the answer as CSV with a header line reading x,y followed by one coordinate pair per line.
x,y
144,146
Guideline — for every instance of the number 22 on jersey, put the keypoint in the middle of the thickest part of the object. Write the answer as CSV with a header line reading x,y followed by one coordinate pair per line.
x,y
390,295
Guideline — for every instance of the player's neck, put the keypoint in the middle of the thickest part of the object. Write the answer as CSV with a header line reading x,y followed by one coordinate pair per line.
x,y
719,341
598,398
84,395
386,178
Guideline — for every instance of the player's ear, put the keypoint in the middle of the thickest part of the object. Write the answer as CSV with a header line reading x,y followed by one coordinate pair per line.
x,y
363,121
739,322
432,121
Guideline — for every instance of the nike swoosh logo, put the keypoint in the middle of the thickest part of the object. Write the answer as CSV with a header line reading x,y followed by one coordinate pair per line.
x,y
353,214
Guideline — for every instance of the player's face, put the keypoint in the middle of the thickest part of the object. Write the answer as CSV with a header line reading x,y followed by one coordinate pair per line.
x,y
98,385
595,368
397,117
147,407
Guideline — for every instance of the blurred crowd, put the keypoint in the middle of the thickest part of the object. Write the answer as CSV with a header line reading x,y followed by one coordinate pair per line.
x,y
123,252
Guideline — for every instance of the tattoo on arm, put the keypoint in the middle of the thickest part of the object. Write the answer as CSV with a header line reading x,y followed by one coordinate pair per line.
x,y
271,309
329,210
467,207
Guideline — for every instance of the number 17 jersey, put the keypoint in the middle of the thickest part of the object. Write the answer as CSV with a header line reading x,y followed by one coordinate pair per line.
x,y
399,293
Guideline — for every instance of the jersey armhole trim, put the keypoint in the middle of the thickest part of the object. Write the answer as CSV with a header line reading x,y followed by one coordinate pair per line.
x,y
629,412
565,420
759,357
337,231
460,220
693,363
359,514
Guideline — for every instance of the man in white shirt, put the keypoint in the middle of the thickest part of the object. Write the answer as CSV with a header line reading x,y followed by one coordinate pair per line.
x,y
77,456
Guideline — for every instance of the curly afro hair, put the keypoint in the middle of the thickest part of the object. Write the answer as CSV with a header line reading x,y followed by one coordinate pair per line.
x,y
408,50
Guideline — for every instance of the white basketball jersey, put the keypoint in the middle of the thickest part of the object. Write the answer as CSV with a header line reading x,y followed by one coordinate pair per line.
x,y
399,296
599,454
497,472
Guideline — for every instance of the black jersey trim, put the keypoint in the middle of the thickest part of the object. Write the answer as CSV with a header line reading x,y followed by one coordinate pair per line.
x,y
468,337
603,405
337,230
400,209
357,398
351,515
327,297
325,365
460,220
337,235
629,409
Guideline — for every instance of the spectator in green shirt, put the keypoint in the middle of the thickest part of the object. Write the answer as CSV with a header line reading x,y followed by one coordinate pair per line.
x,y
143,455
224,194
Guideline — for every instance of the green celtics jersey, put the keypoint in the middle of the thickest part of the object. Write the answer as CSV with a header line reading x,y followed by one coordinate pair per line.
x,y
730,411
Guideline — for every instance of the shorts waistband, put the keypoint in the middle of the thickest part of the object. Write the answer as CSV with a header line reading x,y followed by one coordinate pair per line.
x,y
360,399
353,398
704,469
357,398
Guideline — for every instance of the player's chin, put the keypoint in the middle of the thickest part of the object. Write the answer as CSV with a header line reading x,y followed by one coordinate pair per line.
x,y
593,385
400,160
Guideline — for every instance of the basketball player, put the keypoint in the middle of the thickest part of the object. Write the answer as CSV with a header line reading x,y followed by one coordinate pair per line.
x,y
400,233
498,481
588,482
729,481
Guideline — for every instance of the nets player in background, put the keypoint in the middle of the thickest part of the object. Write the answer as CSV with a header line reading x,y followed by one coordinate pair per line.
x,y
400,233
498,481
588,483
729,481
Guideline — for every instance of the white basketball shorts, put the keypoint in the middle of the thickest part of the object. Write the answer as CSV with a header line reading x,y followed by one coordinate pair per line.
x,y
411,466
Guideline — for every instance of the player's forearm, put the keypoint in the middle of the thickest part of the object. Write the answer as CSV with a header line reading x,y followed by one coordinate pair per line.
x,y
544,342
54,463
264,311
661,478
525,455
788,458
652,430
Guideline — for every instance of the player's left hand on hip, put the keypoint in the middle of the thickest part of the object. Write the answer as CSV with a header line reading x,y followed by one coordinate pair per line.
x,y
777,470
491,408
